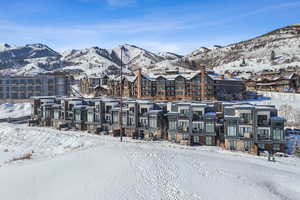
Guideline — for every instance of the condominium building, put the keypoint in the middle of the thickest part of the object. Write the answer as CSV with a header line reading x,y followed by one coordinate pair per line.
x,y
233,126
175,85
24,87
253,128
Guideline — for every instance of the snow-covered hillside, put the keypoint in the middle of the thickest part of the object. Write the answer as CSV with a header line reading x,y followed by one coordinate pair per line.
x,y
38,58
29,59
274,50
15,110
76,165
277,49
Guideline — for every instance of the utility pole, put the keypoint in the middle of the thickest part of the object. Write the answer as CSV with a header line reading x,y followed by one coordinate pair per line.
x,y
121,98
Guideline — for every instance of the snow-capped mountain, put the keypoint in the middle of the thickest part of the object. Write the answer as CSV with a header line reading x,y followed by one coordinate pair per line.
x,y
136,57
277,49
38,58
30,58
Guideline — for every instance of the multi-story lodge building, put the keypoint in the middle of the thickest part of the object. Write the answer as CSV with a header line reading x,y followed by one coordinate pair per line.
x,y
24,87
167,85
233,126
175,85
274,81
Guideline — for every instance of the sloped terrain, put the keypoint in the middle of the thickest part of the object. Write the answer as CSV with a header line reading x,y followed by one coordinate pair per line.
x,y
277,49
77,165
38,58
274,50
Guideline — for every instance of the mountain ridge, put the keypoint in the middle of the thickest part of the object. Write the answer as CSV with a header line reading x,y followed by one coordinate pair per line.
x,y
245,56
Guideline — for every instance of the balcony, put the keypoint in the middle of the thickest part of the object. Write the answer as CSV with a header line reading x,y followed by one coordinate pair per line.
x,y
248,135
263,137
197,131
183,129
263,122
245,121
184,115
198,117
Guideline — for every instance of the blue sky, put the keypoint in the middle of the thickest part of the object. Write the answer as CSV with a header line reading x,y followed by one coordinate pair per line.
x,y
158,25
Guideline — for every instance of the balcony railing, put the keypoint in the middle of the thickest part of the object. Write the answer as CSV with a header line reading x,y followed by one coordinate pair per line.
x,y
263,137
245,121
197,130
263,122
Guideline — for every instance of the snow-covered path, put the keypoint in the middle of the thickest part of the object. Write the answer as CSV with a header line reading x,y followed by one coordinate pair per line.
x,y
103,168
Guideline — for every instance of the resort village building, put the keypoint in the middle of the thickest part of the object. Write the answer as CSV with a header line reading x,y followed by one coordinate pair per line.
x,y
24,87
233,126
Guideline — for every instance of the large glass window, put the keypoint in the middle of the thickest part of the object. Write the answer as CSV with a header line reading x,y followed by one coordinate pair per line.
x,y
172,125
152,123
232,130
197,127
56,114
77,115
245,130
232,145
208,140
278,134
247,146
90,117
183,125
262,119
210,127
245,117
263,134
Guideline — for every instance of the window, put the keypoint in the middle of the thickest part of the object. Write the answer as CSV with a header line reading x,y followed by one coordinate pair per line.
x,y
115,117
197,127
208,140
144,110
210,127
173,137
77,115
278,134
90,117
107,118
107,109
245,130
247,146
143,122
262,119
172,125
196,139
185,136
56,114
152,123
131,121
263,134
232,145
245,117
261,146
276,147
183,125
184,111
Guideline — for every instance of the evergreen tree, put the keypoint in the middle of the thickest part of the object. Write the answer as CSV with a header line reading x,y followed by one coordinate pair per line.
x,y
273,55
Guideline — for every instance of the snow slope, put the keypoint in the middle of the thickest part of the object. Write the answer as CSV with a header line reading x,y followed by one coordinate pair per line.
x,y
15,110
91,167
257,52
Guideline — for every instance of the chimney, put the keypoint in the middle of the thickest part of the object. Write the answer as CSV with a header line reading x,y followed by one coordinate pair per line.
x,y
202,82
139,83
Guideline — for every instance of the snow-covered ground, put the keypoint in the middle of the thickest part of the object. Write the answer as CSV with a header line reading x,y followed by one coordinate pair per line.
x,y
279,99
76,165
15,110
